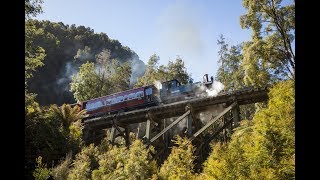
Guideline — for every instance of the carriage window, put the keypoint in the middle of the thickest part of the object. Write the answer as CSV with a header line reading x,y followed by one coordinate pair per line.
x,y
148,91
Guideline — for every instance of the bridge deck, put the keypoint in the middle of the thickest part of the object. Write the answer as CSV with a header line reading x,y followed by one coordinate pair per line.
x,y
245,96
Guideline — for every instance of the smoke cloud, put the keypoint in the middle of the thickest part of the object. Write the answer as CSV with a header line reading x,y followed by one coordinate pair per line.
x,y
69,70
181,32
179,29
138,69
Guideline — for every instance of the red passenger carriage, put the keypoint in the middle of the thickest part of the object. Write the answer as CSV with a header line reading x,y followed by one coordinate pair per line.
x,y
122,101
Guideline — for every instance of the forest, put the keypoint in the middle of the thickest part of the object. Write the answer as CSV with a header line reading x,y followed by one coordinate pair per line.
x,y
80,65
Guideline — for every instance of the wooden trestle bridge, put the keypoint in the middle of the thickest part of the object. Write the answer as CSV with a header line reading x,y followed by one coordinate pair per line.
x,y
120,123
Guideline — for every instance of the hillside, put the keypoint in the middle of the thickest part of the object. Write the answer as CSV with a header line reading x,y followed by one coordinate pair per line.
x,y
61,43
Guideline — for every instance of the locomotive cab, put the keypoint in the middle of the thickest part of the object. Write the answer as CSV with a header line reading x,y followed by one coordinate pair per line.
x,y
170,87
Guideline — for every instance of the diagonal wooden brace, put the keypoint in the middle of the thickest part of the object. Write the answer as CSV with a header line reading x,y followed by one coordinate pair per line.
x,y
169,127
213,120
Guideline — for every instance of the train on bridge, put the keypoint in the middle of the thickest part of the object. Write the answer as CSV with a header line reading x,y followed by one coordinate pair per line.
x,y
147,96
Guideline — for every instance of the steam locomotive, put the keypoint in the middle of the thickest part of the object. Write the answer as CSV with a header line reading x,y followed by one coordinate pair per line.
x,y
147,96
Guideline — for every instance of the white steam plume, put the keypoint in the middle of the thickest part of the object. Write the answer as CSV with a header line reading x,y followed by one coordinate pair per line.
x,y
215,89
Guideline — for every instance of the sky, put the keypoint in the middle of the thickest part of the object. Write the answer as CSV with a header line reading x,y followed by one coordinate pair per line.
x,y
170,28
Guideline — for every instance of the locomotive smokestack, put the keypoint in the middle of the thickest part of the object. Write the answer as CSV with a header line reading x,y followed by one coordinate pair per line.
x,y
205,78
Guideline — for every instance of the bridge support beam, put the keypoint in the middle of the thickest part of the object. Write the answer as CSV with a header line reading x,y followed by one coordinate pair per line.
x,y
124,133
90,135
165,135
212,121
113,134
189,120
150,119
87,135
189,125
127,136
236,116
148,129
169,127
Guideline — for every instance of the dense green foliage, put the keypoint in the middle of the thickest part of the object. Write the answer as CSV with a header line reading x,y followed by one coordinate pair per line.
x,y
179,164
263,148
122,163
62,43
34,55
108,162
85,161
269,56
52,132
155,73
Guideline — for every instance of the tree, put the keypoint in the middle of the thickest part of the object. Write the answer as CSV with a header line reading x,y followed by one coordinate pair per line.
x,y
121,76
154,73
32,108
70,118
230,73
61,171
84,84
34,55
122,163
85,54
177,70
103,78
269,55
41,172
32,7
150,75
68,114
51,133
263,148
84,163
179,164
